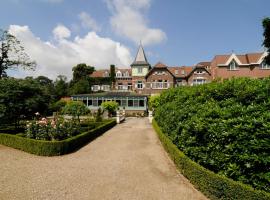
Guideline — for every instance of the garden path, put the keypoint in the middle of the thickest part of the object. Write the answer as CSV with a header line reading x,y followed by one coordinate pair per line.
x,y
128,162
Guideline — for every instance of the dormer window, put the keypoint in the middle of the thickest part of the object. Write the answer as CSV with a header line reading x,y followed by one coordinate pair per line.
x,y
126,74
106,74
233,65
199,71
176,71
118,74
183,72
139,70
264,65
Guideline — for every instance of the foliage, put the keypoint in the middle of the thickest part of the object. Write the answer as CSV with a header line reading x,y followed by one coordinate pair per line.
x,y
76,109
61,86
58,106
51,130
266,34
80,87
21,98
98,117
213,185
224,127
112,73
81,71
12,54
110,106
153,102
54,148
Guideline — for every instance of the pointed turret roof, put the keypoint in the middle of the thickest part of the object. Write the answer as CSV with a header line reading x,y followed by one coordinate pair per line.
x,y
140,58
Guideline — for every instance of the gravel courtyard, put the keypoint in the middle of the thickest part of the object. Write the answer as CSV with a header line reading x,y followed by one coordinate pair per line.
x,y
127,162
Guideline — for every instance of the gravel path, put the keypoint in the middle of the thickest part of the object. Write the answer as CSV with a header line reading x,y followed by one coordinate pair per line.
x,y
128,162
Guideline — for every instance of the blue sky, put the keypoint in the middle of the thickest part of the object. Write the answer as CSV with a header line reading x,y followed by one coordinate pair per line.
x,y
56,33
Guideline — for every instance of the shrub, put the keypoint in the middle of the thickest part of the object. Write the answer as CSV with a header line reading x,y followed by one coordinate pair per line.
x,y
76,109
213,185
224,127
110,106
54,148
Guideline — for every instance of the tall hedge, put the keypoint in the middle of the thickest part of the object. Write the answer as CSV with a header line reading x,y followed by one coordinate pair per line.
x,y
53,148
214,186
223,126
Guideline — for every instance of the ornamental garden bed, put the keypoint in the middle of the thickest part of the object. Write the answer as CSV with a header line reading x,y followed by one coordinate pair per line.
x,y
55,139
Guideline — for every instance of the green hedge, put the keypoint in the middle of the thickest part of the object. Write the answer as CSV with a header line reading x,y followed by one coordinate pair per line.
x,y
53,148
212,185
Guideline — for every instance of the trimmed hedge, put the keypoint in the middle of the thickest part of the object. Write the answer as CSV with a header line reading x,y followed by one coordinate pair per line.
x,y
54,148
214,186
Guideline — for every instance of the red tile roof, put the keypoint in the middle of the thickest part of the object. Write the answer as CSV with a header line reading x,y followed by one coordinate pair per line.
x,y
180,72
160,65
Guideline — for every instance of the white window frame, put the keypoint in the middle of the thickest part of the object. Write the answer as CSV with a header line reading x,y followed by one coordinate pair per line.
x,y
140,70
233,66
118,74
198,81
264,65
139,84
95,88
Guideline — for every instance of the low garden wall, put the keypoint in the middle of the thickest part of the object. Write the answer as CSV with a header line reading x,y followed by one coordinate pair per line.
x,y
214,186
54,148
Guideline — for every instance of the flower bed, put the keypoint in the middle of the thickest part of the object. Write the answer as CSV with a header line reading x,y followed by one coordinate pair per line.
x,y
53,148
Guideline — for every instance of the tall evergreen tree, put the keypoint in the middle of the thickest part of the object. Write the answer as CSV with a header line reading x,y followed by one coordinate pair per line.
x,y
266,34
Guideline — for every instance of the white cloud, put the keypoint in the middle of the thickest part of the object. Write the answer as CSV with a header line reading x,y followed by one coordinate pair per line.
x,y
61,32
128,20
59,57
88,22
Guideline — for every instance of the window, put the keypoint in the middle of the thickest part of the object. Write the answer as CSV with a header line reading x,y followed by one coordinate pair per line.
x,y
139,84
105,87
120,86
119,102
85,102
95,102
99,102
141,103
140,70
136,102
118,74
124,102
264,65
90,102
199,71
176,71
95,88
129,86
106,74
199,81
126,74
160,84
233,65
183,72
130,103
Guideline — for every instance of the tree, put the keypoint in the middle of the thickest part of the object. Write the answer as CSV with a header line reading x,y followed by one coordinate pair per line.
x,y
12,54
76,109
80,87
112,75
81,71
61,86
110,106
266,34
21,98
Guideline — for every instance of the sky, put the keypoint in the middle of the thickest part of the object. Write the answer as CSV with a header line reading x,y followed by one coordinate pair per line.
x,y
58,34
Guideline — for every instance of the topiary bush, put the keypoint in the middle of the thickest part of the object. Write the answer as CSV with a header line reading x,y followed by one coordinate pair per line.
x,y
223,126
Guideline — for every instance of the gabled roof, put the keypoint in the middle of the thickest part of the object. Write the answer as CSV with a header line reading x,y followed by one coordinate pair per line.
x,y
180,72
160,65
140,58
245,59
204,64
99,73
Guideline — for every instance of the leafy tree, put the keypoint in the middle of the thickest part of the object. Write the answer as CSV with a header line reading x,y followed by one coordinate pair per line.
x,y
110,106
153,102
61,86
266,42
76,109
81,71
58,106
21,98
12,54
80,87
